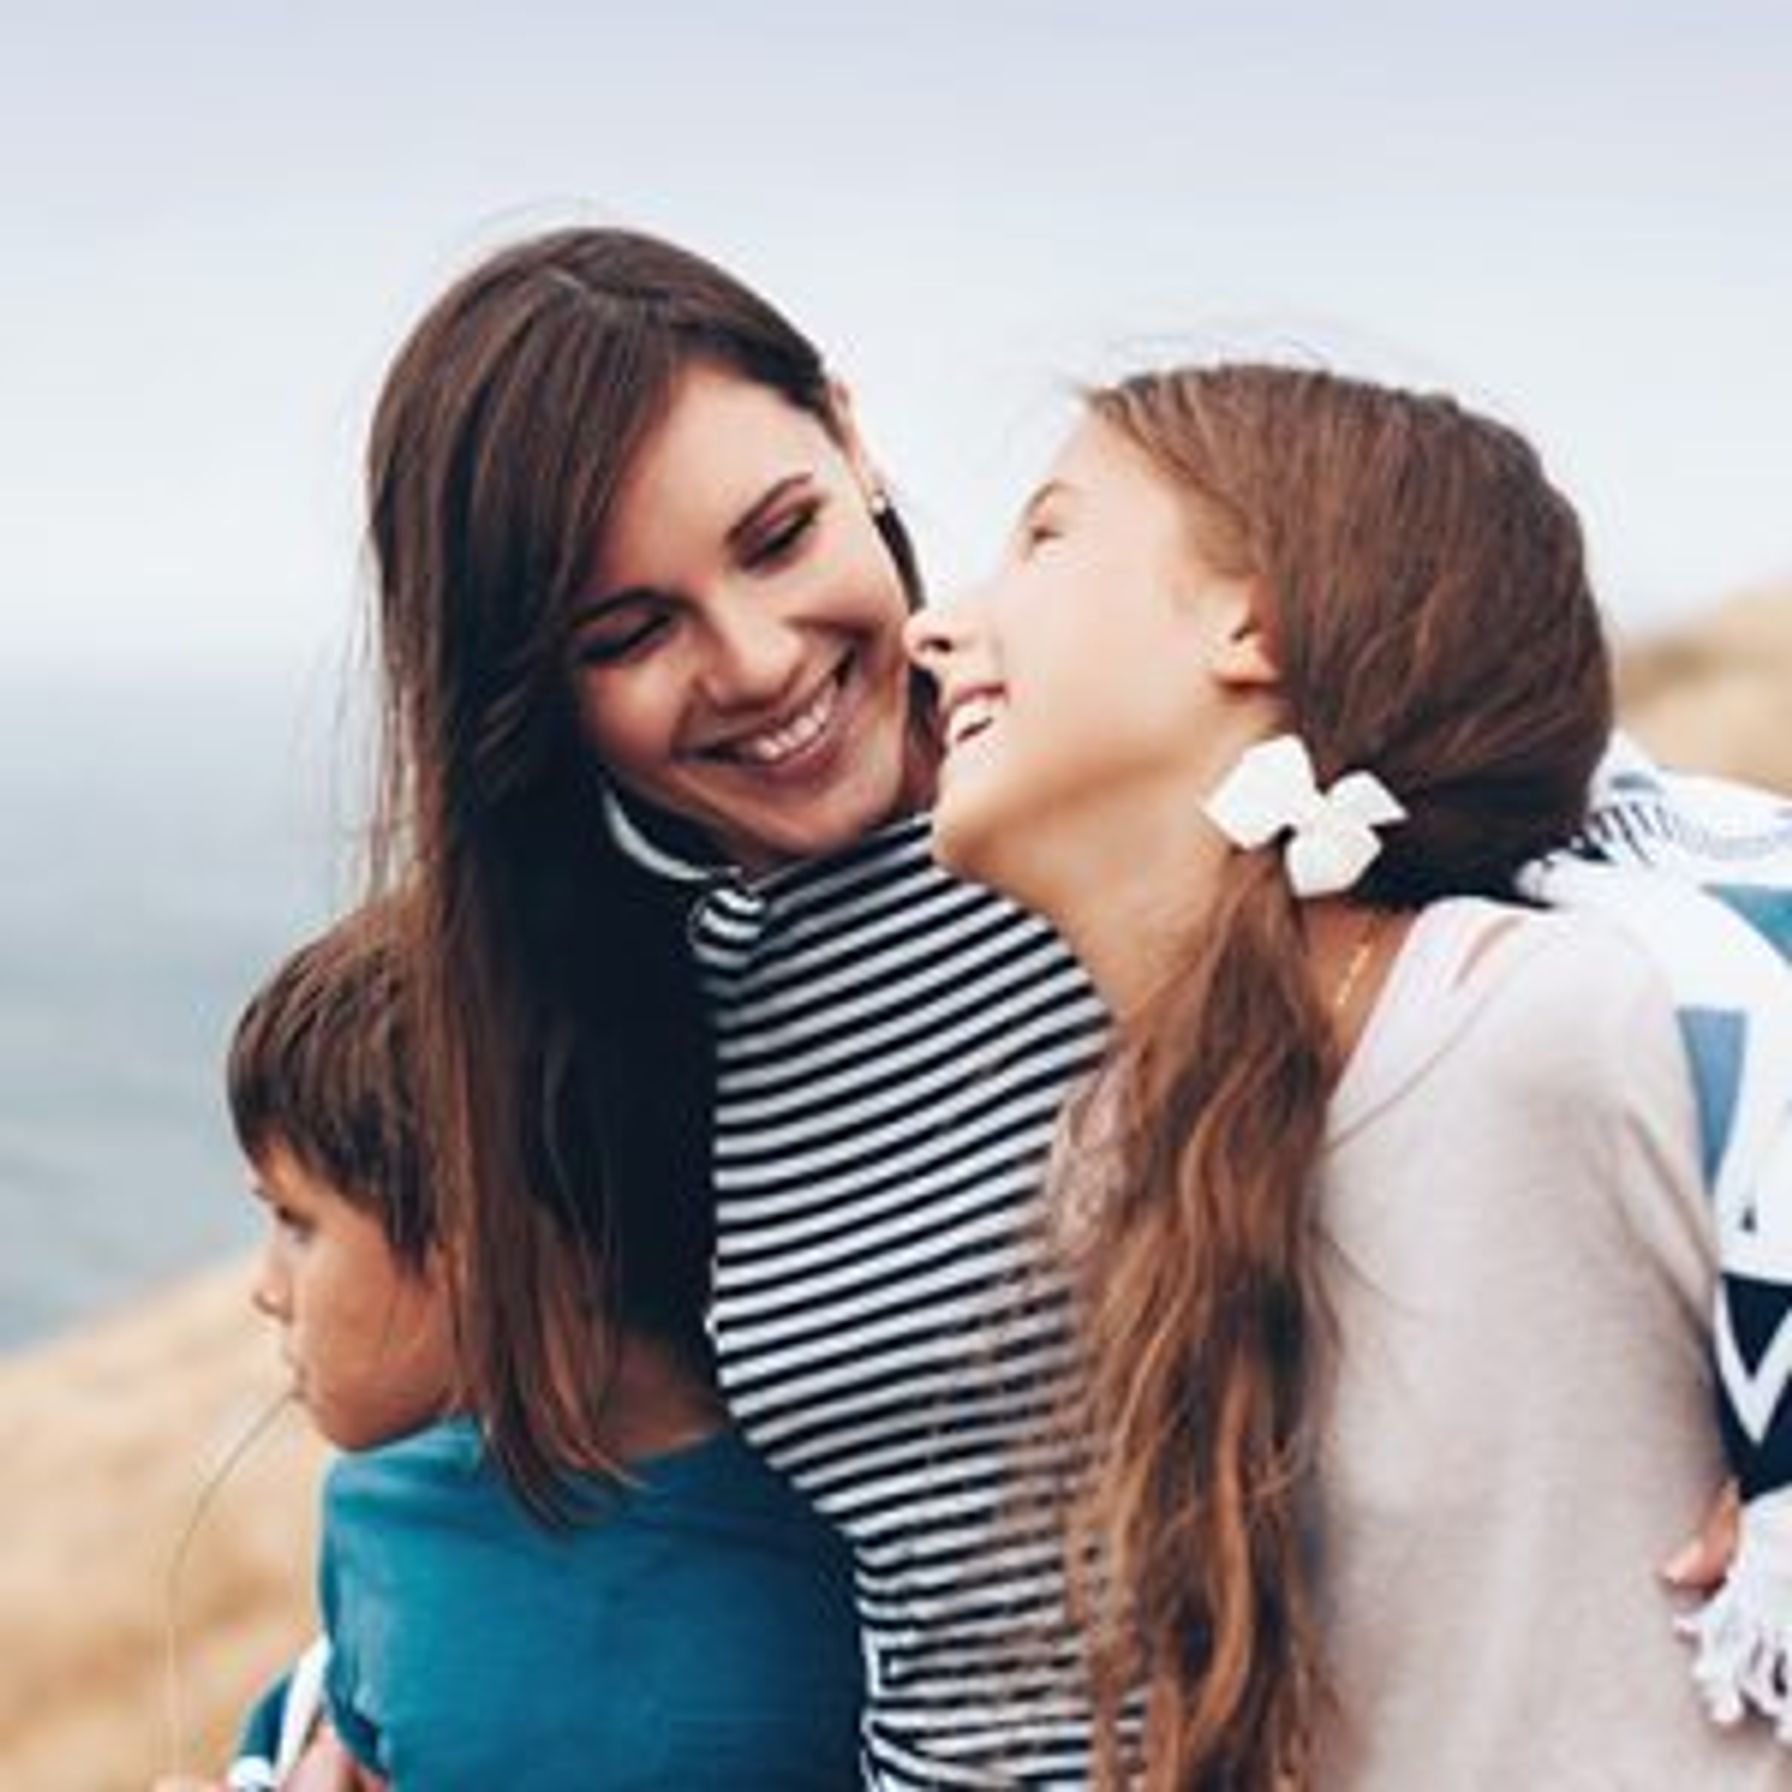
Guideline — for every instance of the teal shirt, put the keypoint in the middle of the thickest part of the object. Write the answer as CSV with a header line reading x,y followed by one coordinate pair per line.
x,y
696,1632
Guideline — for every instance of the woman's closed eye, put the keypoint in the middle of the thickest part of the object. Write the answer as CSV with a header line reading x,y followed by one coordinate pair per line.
x,y
782,539
619,634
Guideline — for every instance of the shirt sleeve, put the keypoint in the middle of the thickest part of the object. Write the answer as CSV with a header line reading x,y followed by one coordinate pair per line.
x,y
341,1679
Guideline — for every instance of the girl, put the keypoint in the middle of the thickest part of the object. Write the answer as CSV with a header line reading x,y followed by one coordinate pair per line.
x,y
1387,1227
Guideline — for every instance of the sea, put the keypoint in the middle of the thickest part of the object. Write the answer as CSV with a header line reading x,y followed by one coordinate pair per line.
x,y
164,836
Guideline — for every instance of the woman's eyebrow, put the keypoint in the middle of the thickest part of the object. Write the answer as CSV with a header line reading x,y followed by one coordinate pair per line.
x,y
768,500
738,531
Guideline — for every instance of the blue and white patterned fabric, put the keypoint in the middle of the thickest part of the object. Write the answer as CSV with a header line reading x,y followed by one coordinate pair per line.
x,y
1700,870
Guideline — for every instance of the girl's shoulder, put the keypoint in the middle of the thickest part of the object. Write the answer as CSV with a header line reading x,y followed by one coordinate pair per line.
x,y
1542,1004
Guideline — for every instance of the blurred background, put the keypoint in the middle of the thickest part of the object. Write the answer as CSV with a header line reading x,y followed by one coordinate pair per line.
x,y
219,220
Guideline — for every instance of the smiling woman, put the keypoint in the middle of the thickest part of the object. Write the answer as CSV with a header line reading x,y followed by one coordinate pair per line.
x,y
654,777
738,656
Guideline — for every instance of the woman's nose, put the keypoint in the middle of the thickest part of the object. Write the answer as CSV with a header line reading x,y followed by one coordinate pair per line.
x,y
753,656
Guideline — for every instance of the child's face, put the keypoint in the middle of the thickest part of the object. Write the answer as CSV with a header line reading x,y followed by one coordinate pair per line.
x,y
369,1341
1096,686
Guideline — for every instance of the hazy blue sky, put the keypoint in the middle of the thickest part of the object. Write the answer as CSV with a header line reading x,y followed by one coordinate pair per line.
x,y
219,218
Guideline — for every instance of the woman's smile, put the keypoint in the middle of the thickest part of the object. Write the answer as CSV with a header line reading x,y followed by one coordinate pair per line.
x,y
796,743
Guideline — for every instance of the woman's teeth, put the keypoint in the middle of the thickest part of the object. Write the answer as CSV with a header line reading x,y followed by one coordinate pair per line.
x,y
773,745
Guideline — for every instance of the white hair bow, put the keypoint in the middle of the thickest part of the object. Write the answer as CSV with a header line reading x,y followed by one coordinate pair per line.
x,y
1332,841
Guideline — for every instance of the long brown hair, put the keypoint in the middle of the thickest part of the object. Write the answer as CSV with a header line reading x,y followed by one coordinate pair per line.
x,y
565,1058
1424,588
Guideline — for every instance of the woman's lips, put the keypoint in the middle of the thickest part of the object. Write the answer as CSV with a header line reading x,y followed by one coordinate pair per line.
x,y
785,739
802,744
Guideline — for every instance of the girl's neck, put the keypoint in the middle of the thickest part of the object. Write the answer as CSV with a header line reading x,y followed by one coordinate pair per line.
x,y
1125,889
1129,926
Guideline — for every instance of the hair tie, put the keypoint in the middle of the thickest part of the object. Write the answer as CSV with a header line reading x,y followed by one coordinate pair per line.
x,y
1332,833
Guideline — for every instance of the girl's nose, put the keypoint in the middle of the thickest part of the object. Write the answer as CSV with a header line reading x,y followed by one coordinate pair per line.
x,y
930,635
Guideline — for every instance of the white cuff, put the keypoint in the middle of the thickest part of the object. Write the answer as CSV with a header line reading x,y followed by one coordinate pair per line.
x,y
1742,1635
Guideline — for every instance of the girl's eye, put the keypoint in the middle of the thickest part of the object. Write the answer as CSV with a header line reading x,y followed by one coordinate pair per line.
x,y
1035,534
783,539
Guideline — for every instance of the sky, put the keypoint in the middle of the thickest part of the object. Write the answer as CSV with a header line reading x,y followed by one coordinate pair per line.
x,y
220,219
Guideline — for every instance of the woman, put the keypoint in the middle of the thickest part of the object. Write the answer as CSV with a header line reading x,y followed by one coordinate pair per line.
x,y
1389,1242
654,765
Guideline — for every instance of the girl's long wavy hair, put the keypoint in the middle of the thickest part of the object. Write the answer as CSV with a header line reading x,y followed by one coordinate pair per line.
x,y
1424,588
563,1053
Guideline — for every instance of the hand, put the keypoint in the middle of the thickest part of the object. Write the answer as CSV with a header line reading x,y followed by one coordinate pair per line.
x,y
326,1766
1700,1564
186,1782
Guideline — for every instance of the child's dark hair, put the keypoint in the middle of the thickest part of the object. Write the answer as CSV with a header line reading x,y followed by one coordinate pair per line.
x,y
320,1065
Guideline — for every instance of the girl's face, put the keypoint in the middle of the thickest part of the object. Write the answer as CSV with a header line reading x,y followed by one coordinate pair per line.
x,y
737,658
1096,687
369,1341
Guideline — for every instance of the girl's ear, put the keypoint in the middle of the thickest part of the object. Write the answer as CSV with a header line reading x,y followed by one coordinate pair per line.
x,y
1243,655
846,430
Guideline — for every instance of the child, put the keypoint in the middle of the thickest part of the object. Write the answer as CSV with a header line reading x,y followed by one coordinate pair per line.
x,y
685,1622
1390,1225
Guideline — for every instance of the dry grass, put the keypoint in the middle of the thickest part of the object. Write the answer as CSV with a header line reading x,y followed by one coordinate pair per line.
x,y
109,1435
1718,695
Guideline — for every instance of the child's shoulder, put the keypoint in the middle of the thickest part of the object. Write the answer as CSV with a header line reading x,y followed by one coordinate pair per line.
x,y
1524,1009
1573,976
717,1486
443,1461
722,1485
1576,1039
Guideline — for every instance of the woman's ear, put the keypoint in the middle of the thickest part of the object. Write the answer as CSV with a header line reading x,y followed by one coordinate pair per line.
x,y
846,431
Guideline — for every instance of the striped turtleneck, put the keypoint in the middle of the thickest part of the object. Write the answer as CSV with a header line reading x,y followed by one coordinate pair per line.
x,y
893,1051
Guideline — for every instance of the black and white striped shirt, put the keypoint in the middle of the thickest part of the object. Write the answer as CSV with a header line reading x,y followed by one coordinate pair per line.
x,y
893,1050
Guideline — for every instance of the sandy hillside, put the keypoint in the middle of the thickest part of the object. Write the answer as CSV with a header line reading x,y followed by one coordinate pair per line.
x,y
108,1432
1719,695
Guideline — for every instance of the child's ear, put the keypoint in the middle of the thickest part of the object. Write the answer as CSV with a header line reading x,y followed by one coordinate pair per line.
x,y
1244,655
